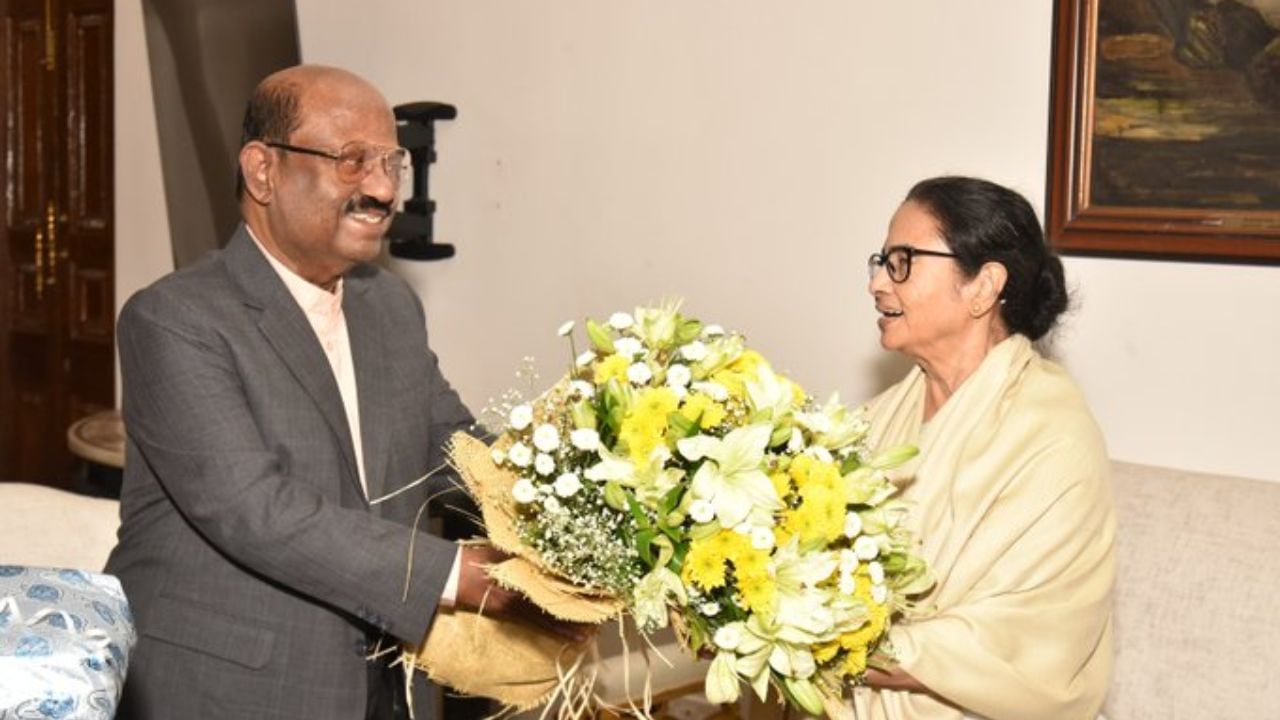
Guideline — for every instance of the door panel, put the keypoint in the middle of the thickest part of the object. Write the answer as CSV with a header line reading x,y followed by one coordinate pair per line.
x,y
57,321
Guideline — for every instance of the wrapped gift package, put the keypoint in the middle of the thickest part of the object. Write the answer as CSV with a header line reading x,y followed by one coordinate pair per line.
x,y
65,637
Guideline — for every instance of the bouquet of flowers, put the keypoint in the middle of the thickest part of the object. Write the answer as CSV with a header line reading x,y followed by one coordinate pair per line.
x,y
674,474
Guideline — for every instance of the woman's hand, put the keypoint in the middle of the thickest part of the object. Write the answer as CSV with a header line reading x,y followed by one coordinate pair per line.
x,y
894,679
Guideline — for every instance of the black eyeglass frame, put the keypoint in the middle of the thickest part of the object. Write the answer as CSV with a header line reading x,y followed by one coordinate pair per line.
x,y
365,167
881,260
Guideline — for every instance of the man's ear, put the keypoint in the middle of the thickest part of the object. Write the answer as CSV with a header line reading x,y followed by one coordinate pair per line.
x,y
256,163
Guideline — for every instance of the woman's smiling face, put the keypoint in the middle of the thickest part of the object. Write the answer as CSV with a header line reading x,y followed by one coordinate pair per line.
x,y
924,316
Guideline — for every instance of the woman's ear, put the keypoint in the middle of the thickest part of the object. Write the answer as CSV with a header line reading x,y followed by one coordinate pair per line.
x,y
255,167
987,287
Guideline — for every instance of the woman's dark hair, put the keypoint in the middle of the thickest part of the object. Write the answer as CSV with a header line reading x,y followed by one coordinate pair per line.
x,y
984,222
272,114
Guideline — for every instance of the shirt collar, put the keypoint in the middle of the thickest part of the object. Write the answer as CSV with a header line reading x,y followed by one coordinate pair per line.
x,y
312,298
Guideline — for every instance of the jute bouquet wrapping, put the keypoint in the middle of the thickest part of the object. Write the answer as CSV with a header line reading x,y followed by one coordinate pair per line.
x,y
673,476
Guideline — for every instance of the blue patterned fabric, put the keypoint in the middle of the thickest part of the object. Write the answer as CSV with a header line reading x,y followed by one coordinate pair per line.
x,y
65,637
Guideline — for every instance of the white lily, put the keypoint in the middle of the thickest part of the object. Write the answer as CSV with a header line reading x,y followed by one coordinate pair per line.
x,y
731,478
650,481
651,594
805,613
834,425
769,395
657,326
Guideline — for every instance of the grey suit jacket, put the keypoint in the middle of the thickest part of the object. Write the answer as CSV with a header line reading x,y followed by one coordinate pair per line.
x,y
254,566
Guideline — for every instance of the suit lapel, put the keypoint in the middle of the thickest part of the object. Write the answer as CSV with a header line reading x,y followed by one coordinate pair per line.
x,y
373,380
287,331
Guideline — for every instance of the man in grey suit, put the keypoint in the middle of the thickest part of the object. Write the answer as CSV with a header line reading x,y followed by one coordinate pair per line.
x,y
270,392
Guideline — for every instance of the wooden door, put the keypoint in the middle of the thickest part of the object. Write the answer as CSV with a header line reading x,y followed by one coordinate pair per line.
x,y
57,264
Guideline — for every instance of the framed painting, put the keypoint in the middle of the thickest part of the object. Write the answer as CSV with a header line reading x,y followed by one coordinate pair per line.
x,y
1165,129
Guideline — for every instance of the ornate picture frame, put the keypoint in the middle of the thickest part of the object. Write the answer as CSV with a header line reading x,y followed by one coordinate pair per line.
x,y
1165,130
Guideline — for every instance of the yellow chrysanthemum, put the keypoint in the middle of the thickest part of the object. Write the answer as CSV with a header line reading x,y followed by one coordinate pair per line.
x,y
612,367
758,591
855,662
806,469
704,565
825,651
700,407
781,483
645,425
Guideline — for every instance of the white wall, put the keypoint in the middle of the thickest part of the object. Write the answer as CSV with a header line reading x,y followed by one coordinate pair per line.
x,y
142,248
747,155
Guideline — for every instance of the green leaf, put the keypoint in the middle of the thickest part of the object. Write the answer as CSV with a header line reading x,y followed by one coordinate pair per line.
x,y
850,464
600,337
584,415
644,543
687,332
614,496
671,500
780,435
681,426
893,457
637,511
666,550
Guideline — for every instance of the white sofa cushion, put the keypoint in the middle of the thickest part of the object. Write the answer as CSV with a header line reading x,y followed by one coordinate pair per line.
x,y
1197,618
45,527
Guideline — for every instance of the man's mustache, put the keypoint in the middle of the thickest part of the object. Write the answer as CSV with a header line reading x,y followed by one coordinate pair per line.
x,y
365,203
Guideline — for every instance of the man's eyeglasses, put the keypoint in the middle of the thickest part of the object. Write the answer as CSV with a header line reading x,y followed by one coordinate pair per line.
x,y
355,160
897,261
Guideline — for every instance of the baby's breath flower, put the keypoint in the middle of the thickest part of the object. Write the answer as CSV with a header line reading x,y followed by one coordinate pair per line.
x,y
520,455
621,321
565,329
729,637
583,389
520,417
544,464
847,584
678,375
546,438
876,571
567,485
524,491
628,347
639,373
694,351
584,358
585,439
866,547
714,390
710,609
497,456
712,331
852,524
879,593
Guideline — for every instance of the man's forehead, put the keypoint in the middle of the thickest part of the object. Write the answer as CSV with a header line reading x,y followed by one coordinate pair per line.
x,y
344,112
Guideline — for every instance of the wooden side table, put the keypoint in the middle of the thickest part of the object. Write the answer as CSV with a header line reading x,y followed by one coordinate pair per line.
x,y
99,440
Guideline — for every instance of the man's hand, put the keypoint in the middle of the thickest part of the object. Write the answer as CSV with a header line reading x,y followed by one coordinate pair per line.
x,y
478,593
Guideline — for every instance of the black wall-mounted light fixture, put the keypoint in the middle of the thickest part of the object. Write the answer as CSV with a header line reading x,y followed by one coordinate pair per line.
x,y
411,233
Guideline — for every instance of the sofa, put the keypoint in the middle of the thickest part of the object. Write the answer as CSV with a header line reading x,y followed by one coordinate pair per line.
x,y
1197,617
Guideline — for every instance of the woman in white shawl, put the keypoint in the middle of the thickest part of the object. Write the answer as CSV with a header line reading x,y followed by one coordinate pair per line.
x,y
1011,491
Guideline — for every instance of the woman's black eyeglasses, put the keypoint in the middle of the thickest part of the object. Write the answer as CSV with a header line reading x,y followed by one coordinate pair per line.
x,y
897,260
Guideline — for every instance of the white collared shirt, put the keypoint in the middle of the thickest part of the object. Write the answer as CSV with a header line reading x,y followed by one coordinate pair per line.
x,y
324,312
